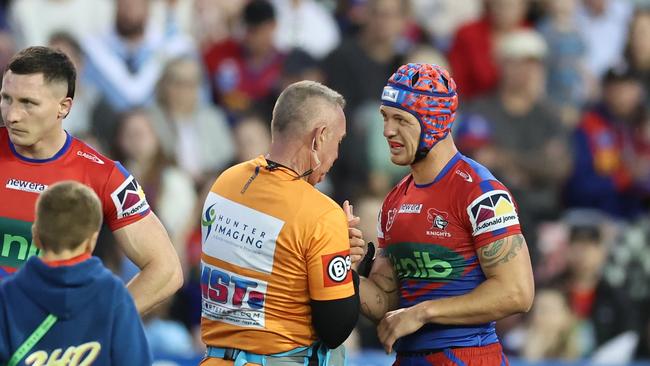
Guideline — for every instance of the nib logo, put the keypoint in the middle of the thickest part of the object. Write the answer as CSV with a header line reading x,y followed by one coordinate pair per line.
x,y
425,262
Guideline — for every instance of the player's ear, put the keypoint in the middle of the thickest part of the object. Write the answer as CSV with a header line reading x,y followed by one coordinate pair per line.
x,y
64,107
35,237
319,137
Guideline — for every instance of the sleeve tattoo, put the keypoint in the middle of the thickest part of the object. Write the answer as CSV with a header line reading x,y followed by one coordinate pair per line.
x,y
501,251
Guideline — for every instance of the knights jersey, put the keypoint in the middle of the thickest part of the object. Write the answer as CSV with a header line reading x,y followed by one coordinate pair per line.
x,y
271,244
23,179
431,234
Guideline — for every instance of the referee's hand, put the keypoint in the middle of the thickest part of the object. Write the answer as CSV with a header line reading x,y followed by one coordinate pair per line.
x,y
358,246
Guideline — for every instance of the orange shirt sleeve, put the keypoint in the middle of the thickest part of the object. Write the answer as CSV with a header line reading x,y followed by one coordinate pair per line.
x,y
328,258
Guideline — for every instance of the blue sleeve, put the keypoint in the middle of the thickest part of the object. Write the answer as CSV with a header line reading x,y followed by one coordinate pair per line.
x,y
128,344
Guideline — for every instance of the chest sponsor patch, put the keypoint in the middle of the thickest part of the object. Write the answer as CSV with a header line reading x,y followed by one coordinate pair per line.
x,y
129,198
410,208
491,211
425,262
25,186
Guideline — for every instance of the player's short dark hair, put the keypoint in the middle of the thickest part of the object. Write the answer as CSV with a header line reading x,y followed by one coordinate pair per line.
x,y
67,213
53,64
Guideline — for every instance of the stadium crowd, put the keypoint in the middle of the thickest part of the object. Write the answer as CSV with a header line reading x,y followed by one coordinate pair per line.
x,y
555,102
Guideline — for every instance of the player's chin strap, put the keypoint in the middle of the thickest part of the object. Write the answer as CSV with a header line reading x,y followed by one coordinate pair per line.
x,y
366,263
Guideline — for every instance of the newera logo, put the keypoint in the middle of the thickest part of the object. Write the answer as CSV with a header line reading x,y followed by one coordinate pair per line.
x,y
26,186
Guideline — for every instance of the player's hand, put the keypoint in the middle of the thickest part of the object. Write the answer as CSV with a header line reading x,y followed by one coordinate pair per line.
x,y
357,243
396,324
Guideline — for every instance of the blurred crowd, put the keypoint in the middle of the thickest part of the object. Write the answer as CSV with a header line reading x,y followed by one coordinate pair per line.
x,y
554,99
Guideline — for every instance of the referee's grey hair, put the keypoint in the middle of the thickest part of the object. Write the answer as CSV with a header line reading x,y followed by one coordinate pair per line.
x,y
299,103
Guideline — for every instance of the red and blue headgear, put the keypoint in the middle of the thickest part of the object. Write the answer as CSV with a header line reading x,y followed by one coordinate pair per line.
x,y
427,92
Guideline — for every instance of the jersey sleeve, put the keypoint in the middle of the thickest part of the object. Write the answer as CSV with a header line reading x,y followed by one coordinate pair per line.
x,y
123,200
491,213
328,258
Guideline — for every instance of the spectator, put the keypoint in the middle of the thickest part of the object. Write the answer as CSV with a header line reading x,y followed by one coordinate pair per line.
x,y
568,79
515,134
79,121
126,62
637,51
305,24
554,330
170,191
299,65
245,72
629,268
602,166
472,55
603,22
358,69
252,137
360,65
592,298
441,18
7,45
214,20
35,21
192,132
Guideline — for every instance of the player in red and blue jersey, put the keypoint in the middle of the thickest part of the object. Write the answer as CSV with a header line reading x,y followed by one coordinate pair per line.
x,y
452,258
35,152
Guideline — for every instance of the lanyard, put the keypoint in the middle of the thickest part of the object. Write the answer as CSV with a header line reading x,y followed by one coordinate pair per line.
x,y
32,340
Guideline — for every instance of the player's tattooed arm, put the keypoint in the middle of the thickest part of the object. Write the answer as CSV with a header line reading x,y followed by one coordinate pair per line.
x,y
378,292
506,262
501,251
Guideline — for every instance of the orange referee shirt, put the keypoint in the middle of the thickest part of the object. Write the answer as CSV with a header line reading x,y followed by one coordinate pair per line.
x,y
271,243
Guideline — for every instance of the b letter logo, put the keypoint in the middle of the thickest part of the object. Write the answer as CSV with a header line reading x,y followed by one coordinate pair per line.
x,y
336,268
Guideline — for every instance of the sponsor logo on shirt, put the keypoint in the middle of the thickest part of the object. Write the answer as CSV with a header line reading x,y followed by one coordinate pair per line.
x,y
438,220
25,186
89,156
232,298
429,262
465,176
129,198
390,218
336,268
491,211
238,234
16,244
410,208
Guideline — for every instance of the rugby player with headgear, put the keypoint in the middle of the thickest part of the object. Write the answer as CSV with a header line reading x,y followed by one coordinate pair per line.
x,y
451,259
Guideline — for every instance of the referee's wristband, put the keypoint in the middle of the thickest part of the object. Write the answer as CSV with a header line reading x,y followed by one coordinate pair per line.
x,y
366,263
